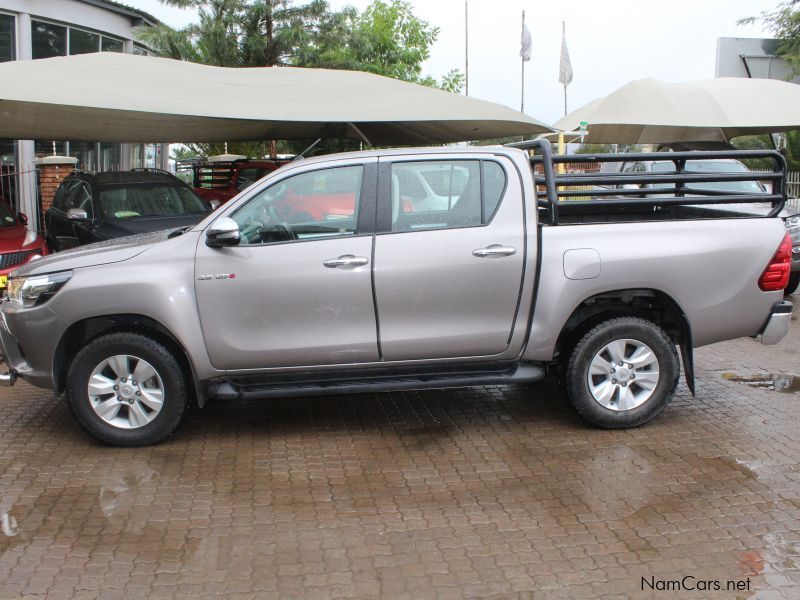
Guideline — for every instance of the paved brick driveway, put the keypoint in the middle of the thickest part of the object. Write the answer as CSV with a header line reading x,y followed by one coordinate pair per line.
x,y
467,493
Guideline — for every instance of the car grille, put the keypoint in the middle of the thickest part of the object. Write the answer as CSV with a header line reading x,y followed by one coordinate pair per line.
x,y
14,258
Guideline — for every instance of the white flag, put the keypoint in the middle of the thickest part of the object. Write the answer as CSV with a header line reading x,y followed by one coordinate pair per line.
x,y
525,50
565,68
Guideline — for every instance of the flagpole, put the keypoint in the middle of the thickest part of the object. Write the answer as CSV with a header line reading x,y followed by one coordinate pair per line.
x,y
565,99
522,60
466,47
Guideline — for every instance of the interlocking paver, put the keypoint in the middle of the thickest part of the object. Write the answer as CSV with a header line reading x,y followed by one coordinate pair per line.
x,y
483,492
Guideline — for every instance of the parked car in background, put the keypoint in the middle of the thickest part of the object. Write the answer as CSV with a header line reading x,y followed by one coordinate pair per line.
x,y
94,207
790,216
220,178
18,245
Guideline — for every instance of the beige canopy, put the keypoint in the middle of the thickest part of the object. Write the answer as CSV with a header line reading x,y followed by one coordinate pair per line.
x,y
649,111
111,97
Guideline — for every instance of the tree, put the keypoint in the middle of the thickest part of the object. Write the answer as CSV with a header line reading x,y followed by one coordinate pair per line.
x,y
607,148
784,24
386,39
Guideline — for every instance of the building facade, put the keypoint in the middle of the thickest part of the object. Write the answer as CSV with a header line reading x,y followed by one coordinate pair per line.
x,y
36,29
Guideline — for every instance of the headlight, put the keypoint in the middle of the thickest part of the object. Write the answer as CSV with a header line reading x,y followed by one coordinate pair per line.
x,y
792,222
30,237
37,289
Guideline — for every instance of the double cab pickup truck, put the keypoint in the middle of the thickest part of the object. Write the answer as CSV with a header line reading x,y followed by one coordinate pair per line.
x,y
516,271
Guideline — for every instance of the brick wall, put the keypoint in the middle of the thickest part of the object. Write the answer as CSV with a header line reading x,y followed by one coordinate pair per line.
x,y
52,171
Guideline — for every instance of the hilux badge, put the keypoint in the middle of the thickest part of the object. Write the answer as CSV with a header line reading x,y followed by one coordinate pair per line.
x,y
217,276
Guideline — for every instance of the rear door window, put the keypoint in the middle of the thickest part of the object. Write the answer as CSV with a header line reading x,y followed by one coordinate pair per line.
x,y
445,194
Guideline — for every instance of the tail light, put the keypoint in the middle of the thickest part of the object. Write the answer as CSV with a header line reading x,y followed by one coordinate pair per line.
x,y
776,276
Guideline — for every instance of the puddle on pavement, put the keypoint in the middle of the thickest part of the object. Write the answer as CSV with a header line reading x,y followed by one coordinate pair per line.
x,y
787,384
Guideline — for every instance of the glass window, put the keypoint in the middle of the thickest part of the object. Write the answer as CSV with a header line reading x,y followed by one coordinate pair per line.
x,y
8,43
48,40
111,45
249,176
443,194
494,184
83,42
110,157
49,148
60,200
139,51
86,153
80,196
7,218
149,200
713,166
316,204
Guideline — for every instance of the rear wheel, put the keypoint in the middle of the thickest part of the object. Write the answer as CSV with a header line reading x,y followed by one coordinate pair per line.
x,y
794,283
622,373
126,389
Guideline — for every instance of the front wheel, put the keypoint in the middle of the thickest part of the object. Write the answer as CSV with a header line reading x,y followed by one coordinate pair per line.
x,y
126,389
622,373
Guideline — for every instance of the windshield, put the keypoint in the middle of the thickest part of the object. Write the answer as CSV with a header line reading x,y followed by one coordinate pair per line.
x,y
714,166
151,200
6,216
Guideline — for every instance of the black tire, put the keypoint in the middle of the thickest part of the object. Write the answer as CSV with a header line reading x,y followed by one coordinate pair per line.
x,y
175,392
593,342
794,283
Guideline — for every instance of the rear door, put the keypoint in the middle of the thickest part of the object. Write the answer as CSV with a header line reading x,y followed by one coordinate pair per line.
x,y
297,290
449,256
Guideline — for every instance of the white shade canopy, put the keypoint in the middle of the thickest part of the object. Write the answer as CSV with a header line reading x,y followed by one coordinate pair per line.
x,y
112,97
649,111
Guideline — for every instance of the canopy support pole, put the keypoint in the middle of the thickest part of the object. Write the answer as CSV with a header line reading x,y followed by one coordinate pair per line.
x,y
360,133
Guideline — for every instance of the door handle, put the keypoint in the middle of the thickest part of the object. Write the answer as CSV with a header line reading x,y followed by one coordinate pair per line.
x,y
494,251
346,260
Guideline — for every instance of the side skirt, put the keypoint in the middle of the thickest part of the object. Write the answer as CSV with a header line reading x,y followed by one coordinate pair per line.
x,y
372,380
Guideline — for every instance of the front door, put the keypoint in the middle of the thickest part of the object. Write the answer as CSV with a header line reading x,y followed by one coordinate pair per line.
x,y
297,290
449,257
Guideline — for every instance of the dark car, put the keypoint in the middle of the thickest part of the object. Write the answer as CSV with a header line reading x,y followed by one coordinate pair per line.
x,y
93,207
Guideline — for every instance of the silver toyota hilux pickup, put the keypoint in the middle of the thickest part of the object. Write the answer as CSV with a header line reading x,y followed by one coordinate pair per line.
x,y
406,269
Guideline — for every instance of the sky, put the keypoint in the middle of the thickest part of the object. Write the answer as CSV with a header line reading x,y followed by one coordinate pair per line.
x,y
610,43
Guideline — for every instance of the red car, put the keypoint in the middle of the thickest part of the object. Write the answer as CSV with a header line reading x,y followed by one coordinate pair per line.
x,y
220,180
17,245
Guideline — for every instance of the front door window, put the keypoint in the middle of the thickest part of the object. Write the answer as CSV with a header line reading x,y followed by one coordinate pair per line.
x,y
312,205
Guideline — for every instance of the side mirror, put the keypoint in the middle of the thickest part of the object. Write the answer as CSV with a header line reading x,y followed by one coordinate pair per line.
x,y
77,214
215,204
22,218
223,232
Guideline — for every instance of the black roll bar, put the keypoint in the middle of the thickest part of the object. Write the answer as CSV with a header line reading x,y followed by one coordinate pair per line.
x,y
676,185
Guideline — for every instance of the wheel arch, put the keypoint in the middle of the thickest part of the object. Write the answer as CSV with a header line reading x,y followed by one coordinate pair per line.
x,y
647,303
84,331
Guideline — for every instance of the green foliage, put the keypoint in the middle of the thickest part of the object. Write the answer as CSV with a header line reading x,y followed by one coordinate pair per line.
x,y
784,24
386,39
607,148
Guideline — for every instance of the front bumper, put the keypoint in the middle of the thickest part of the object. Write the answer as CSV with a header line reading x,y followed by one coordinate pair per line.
x,y
777,326
27,343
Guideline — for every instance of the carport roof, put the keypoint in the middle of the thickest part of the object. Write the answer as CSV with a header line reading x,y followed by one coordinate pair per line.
x,y
111,97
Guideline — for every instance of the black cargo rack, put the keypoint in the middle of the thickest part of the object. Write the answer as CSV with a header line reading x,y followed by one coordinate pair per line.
x,y
609,186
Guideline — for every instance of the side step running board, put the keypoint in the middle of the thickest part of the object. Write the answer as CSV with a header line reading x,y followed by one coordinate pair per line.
x,y
255,389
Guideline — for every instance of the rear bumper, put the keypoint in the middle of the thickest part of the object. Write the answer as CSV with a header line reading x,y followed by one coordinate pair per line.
x,y
777,325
